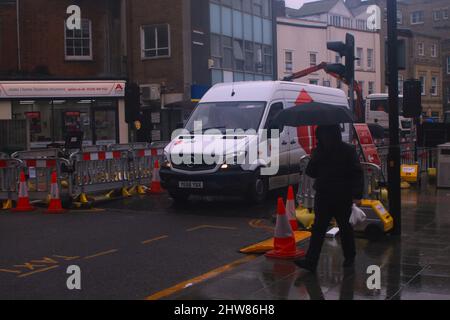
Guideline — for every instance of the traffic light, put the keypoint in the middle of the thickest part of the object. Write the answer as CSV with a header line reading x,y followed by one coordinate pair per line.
x,y
412,98
346,50
132,102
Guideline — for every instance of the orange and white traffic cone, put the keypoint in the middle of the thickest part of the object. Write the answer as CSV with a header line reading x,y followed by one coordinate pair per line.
x,y
55,205
290,209
23,200
284,241
155,187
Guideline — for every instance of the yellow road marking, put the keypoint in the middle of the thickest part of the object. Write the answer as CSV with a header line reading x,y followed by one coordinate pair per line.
x,y
207,226
66,258
101,254
37,271
258,224
10,271
154,239
209,275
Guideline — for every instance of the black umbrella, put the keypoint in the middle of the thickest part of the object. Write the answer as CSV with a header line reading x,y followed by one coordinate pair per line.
x,y
313,113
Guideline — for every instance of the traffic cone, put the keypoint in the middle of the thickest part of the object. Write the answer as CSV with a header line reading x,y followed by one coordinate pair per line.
x,y
23,201
55,204
290,209
155,186
284,241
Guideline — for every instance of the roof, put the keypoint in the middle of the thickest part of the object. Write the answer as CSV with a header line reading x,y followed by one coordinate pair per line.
x,y
317,7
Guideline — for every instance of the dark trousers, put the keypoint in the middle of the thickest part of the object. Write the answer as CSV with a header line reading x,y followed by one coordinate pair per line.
x,y
325,209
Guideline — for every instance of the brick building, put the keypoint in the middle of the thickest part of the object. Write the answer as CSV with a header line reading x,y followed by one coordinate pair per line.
x,y
63,80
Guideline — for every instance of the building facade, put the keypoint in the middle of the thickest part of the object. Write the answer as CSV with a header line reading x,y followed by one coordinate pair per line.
x,y
423,26
61,80
179,49
302,42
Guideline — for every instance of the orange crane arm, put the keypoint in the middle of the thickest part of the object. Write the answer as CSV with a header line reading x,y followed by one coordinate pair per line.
x,y
323,66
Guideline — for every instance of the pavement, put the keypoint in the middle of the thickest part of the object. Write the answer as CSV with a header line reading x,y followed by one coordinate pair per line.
x,y
149,248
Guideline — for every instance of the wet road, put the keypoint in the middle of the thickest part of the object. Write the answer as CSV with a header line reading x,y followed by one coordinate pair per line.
x,y
126,249
135,248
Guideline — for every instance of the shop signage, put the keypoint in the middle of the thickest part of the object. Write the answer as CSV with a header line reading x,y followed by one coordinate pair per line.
x,y
61,89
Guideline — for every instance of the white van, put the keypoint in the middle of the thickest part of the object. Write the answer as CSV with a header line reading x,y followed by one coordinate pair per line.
x,y
377,111
243,105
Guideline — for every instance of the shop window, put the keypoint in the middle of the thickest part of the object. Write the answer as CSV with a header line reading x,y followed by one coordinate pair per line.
x,y
78,42
155,41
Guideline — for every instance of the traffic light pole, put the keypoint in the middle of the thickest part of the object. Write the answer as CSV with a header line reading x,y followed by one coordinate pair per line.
x,y
394,147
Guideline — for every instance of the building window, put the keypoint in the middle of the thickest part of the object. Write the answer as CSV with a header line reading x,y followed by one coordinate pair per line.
x,y
155,41
312,59
400,84
78,43
417,17
420,49
288,61
314,81
371,87
434,50
335,20
448,94
437,15
423,85
445,14
326,83
434,86
346,22
359,56
399,17
370,59
339,84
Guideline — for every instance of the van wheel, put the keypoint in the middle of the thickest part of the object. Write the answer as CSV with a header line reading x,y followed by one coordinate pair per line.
x,y
258,188
179,197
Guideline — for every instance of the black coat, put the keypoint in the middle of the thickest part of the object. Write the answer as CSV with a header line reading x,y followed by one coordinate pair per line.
x,y
338,172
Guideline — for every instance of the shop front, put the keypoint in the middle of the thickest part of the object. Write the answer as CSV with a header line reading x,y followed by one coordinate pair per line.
x,y
55,110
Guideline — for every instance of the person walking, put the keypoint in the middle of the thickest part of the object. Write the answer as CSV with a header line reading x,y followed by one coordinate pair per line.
x,y
339,183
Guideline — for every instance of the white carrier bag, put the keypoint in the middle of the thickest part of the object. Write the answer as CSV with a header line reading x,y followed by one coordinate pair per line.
x,y
358,216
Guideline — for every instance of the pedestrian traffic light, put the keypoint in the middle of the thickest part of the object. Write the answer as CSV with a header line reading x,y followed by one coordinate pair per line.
x,y
132,102
346,50
412,98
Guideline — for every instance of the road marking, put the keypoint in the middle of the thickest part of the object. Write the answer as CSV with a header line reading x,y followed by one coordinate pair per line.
x,y
37,271
258,224
101,254
154,239
209,275
207,226
10,271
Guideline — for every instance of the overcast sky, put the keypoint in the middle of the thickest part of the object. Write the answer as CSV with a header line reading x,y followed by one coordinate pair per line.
x,y
296,3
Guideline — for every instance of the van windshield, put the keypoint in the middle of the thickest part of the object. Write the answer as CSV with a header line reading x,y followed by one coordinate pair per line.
x,y
227,115
383,105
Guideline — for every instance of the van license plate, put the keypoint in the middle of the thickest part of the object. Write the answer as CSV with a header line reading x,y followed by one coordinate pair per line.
x,y
190,184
